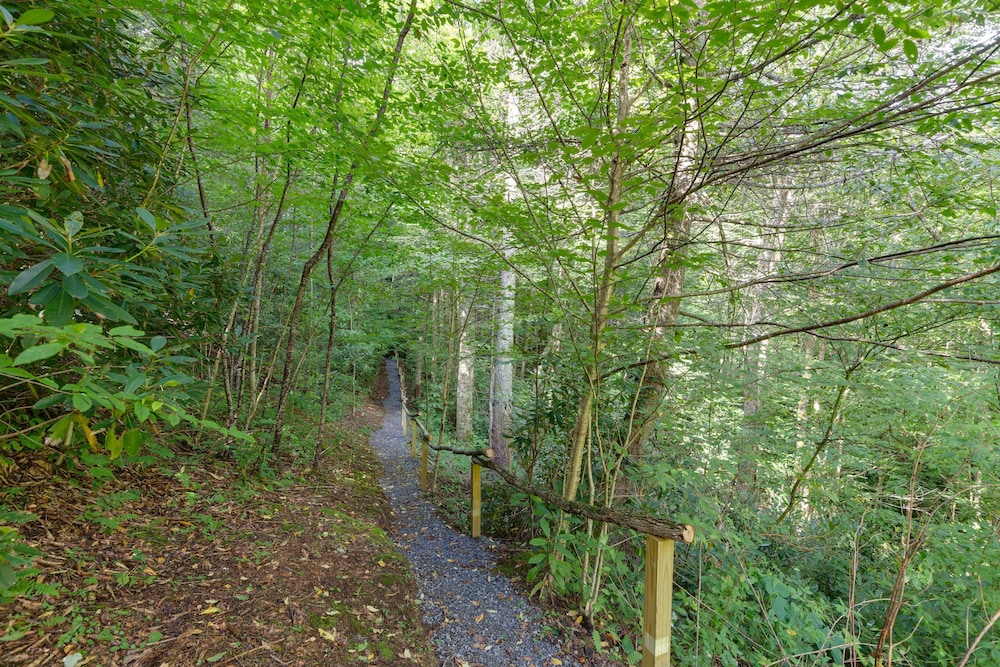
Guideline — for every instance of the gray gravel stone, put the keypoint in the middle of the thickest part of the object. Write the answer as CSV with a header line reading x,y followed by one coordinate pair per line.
x,y
476,616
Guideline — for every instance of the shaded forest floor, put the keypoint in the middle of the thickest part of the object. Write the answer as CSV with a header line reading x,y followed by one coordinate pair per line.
x,y
181,564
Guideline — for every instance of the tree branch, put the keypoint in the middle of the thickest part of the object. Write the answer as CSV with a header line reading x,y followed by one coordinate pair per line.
x,y
868,313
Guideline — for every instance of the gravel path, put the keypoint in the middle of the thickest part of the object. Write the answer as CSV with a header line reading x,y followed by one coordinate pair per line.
x,y
476,616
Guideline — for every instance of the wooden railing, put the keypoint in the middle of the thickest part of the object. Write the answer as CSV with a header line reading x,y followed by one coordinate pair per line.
x,y
660,533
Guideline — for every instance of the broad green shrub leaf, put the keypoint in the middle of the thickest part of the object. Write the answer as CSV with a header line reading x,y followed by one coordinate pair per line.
x,y
26,61
31,277
135,382
43,296
73,286
35,17
74,223
60,309
67,263
113,444
82,402
146,217
39,352
134,345
132,441
49,401
103,306
125,331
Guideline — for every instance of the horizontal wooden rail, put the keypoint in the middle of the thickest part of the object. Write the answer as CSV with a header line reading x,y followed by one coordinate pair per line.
x,y
664,528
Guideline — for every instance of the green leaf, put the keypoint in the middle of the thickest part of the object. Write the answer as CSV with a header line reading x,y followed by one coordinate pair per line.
x,y
26,61
216,658
35,17
135,382
141,411
878,35
132,441
43,296
75,287
126,330
82,402
39,352
49,401
157,343
113,444
59,311
31,277
67,263
8,18
104,307
7,576
133,344
910,49
146,217
74,223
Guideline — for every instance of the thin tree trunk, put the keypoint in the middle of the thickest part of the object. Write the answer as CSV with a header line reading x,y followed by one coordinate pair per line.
x,y
328,356
599,317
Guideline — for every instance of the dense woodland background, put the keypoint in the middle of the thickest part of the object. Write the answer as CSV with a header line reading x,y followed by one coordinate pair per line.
x,y
732,263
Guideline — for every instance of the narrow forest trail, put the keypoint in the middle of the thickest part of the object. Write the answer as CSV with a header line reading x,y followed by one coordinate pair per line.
x,y
476,616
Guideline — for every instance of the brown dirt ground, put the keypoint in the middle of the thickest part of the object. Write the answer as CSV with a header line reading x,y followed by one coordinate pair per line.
x,y
195,568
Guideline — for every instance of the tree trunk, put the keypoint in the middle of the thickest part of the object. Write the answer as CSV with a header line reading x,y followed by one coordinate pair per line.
x,y
328,356
665,297
502,377
465,386
502,381
599,316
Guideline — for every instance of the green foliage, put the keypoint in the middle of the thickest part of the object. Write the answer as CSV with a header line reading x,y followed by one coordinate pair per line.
x,y
14,554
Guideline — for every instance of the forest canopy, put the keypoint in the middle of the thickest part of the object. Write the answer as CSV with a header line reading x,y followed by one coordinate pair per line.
x,y
729,263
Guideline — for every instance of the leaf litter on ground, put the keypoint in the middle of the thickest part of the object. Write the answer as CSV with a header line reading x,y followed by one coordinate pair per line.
x,y
180,564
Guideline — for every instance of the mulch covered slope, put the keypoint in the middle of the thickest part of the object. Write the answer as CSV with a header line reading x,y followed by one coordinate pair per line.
x,y
179,565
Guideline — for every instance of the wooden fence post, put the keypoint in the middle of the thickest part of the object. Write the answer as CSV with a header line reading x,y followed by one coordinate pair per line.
x,y
413,435
402,396
659,597
477,514
423,465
